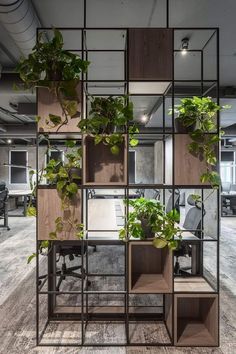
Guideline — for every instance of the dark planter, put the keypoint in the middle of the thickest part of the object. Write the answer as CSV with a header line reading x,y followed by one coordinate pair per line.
x,y
78,172
147,230
180,128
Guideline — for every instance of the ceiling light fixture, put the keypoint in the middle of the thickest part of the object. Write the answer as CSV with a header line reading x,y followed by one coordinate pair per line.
x,y
9,141
144,118
184,46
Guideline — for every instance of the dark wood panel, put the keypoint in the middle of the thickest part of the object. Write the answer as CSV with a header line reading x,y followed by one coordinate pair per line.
x,y
188,169
150,54
49,208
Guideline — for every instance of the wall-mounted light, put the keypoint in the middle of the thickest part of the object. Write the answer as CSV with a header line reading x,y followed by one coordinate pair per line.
x,y
184,46
9,141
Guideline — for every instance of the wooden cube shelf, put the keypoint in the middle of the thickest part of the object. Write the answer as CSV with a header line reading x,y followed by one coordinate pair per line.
x,y
150,268
196,320
192,284
150,54
187,168
48,104
101,167
49,208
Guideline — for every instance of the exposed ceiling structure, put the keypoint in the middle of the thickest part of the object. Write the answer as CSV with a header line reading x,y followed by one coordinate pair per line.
x,y
17,40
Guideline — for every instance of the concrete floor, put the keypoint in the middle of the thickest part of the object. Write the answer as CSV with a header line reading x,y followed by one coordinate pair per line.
x,y
17,296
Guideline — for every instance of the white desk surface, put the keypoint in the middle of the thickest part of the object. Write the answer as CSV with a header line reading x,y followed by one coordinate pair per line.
x,y
19,192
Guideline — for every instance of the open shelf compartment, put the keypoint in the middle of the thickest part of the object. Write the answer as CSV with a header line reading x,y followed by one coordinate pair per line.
x,y
196,320
150,268
101,166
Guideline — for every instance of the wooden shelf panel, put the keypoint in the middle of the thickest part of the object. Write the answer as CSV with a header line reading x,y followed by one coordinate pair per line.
x,y
48,103
192,284
149,283
150,53
187,168
194,332
150,268
196,319
49,208
101,167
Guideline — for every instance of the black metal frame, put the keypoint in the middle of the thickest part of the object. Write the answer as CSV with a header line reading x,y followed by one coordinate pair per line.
x,y
126,317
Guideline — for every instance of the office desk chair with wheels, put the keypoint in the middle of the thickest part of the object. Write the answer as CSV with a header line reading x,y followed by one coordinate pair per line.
x,y
193,221
4,205
64,271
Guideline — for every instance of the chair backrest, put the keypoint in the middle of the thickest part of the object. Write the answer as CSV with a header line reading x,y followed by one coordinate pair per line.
x,y
3,198
169,205
226,187
2,186
194,216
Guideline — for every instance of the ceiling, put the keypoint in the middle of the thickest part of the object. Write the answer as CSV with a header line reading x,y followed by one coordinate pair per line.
x,y
110,66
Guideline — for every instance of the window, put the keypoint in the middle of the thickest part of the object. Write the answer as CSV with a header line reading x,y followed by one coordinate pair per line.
x,y
228,167
56,155
18,167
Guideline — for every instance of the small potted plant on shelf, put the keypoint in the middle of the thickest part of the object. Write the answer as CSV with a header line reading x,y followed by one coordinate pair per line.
x,y
58,70
197,118
108,120
148,220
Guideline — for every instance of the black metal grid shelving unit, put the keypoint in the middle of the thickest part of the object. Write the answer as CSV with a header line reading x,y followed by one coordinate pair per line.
x,y
83,316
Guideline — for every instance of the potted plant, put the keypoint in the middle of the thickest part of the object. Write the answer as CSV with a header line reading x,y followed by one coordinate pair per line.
x,y
108,120
56,69
148,220
197,117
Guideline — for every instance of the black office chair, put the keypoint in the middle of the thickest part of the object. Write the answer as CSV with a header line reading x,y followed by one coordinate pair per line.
x,y
4,205
170,205
193,221
64,271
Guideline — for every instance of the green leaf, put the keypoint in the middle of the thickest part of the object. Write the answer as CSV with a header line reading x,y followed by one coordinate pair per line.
x,y
56,120
115,150
72,188
32,256
159,243
53,235
133,142
31,211
70,143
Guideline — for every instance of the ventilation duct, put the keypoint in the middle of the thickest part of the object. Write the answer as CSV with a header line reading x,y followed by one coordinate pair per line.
x,y
20,20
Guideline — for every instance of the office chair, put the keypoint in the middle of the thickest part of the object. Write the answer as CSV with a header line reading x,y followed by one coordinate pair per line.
x,y
64,271
193,221
4,205
169,205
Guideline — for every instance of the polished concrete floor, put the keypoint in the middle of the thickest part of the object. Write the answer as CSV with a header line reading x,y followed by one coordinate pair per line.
x,y
17,300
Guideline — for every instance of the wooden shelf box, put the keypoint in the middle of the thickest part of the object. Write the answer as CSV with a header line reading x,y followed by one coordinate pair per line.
x,y
196,320
101,167
48,104
49,208
187,168
150,54
150,268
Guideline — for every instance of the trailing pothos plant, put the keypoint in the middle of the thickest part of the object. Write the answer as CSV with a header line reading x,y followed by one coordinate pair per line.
x,y
148,219
109,118
199,114
67,177
59,70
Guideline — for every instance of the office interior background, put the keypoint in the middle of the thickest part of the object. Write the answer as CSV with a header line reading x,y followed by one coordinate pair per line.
x,y
21,151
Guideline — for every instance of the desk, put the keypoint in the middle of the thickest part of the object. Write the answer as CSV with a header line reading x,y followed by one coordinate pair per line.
x,y
115,193
20,193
